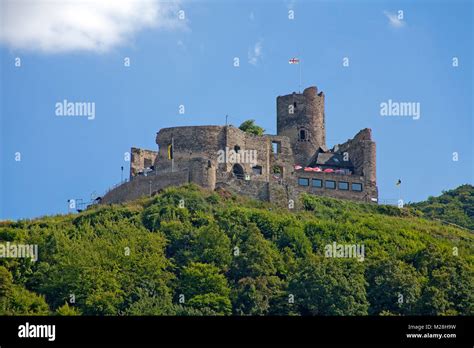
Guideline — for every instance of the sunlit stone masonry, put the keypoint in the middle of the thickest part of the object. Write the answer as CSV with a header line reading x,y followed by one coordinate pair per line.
x,y
276,168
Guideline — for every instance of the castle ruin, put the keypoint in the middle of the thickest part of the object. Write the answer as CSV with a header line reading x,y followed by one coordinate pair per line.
x,y
275,168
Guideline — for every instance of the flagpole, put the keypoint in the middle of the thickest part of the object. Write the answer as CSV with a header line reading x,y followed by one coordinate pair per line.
x,y
400,193
299,87
399,184
296,60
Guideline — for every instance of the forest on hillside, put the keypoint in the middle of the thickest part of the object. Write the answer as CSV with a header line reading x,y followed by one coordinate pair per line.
x,y
187,251
455,206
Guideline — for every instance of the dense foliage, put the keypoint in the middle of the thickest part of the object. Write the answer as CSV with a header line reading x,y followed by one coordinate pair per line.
x,y
455,206
249,126
190,252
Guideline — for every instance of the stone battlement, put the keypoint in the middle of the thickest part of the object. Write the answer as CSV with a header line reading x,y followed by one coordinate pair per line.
x,y
275,168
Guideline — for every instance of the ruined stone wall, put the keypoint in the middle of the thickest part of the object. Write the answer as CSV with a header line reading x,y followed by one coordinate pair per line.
x,y
308,115
207,143
362,153
283,158
141,159
202,172
279,193
196,152
189,143
253,189
247,143
140,186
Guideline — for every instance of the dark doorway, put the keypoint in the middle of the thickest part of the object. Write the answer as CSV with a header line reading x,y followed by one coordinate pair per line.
x,y
238,171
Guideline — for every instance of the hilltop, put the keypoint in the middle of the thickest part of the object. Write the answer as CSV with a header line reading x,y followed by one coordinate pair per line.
x,y
187,251
454,206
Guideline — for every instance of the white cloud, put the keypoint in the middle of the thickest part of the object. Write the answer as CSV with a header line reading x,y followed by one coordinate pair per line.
x,y
394,20
255,53
54,26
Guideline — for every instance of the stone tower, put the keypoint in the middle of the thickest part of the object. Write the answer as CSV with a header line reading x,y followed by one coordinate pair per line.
x,y
301,118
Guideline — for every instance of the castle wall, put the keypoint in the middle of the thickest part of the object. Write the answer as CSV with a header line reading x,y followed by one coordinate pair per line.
x,y
202,172
142,185
254,189
265,174
189,143
283,158
141,159
280,193
210,143
261,147
362,153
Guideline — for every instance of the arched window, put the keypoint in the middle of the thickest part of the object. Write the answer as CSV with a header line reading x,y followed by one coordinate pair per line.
x,y
238,171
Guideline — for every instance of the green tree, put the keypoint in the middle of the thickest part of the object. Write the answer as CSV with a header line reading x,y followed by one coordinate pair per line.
x,y
256,256
204,287
6,282
230,254
104,266
326,286
450,286
255,296
25,302
6,289
249,126
394,286
455,206
211,245
294,238
149,303
66,310
218,304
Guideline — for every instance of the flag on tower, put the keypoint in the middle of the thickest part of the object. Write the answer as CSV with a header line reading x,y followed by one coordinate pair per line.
x,y
170,151
294,61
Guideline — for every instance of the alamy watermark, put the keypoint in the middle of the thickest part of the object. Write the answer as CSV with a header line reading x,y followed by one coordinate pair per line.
x,y
67,108
336,250
22,251
240,156
403,109
37,331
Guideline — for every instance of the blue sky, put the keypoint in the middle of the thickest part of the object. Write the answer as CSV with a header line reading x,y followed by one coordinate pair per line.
x,y
190,62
